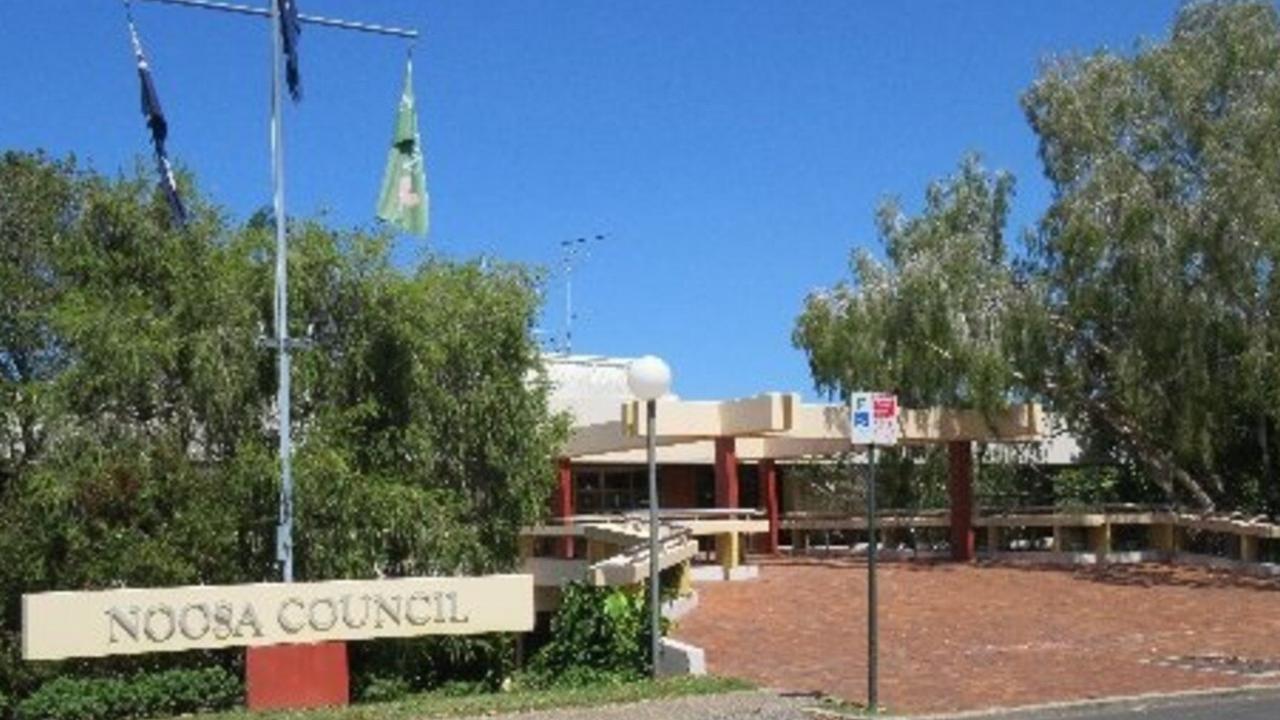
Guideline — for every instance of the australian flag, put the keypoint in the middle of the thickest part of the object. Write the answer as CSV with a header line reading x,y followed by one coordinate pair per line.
x,y
159,128
290,29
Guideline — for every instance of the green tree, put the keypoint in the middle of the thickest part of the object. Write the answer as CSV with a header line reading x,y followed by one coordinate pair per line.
x,y
1151,288
137,415
929,321
37,203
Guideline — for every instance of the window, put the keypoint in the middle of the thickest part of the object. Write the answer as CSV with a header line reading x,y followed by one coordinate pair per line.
x,y
610,490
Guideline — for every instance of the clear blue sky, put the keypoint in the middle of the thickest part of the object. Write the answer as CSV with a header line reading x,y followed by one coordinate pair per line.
x,y
733,150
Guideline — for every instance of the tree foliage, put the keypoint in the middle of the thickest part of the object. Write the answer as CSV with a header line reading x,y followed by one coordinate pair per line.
x,y
1143,306
1155,260
137,422
928,320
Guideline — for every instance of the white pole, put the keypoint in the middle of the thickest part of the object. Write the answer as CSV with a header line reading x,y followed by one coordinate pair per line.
x,y
655,573
284,531
284,527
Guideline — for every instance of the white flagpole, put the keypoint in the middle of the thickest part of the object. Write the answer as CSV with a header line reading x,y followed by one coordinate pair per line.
x,y
281,340
284,530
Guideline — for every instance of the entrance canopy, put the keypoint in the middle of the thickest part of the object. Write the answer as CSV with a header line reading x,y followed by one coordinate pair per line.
x,y
779,426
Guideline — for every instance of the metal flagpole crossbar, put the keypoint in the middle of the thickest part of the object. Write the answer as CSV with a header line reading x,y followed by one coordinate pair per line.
x,y
309,19
281,342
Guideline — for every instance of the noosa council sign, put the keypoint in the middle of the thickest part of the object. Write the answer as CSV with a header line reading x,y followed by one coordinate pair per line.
x,y
118,622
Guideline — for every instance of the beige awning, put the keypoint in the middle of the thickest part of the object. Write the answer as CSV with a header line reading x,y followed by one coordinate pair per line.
x,y
780,426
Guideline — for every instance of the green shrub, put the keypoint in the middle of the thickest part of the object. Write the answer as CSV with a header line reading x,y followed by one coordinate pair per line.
x,y
598,635
153,468
1086,486
161,694
383,689
380,668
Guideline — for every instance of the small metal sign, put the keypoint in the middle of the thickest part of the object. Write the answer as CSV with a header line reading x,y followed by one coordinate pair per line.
x,y
873,418
57,625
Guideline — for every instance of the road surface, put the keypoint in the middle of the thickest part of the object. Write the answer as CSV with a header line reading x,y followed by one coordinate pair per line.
x,y
1255,705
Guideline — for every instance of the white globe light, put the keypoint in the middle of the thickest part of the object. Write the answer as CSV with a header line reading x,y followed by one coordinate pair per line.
x,y
648,377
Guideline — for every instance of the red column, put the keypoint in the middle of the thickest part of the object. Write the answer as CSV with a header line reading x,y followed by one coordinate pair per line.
x,y
562,501
769,497
296,677
726,473
960,490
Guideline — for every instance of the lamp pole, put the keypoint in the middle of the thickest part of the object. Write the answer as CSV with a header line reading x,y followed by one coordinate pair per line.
x,y
649,379
655,596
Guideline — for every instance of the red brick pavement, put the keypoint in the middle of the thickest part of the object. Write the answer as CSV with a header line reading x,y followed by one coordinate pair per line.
x,y
964,637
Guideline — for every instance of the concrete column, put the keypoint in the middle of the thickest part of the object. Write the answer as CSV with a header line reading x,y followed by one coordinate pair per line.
x,y
960,492
562,502
727,551
769,498
1248,548
1100,540
726,473
1162,537
726,497
993,540
296,677
684,583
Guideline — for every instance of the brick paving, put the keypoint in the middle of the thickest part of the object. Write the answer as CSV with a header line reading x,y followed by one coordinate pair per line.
x,y
968,637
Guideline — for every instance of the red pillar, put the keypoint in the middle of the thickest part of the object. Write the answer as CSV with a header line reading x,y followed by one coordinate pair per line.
x,y
562,501
960,491
726,473
296,677
769,497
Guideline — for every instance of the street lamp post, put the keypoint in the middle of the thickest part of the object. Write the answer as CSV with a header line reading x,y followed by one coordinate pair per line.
x,y
649,379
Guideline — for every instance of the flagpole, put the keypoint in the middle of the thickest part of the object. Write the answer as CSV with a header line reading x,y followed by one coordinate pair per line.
x,y
284,530
282,342
309,19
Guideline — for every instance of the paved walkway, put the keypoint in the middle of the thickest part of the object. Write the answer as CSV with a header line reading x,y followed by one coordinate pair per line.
x,y
957,637
729,706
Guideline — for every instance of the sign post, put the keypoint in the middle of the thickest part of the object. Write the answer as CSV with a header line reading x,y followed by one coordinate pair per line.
x,y
873,421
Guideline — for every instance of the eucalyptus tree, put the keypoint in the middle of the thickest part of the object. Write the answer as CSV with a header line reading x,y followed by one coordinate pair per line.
x,y
928,320
1153,268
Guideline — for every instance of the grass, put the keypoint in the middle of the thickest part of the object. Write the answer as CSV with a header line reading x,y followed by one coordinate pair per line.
x,y
435,705
833,707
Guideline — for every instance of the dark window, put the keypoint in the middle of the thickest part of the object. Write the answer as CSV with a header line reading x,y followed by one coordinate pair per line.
x,y
705,486
749,486
610,490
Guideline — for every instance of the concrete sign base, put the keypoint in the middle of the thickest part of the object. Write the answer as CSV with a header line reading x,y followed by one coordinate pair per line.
x,y
296,677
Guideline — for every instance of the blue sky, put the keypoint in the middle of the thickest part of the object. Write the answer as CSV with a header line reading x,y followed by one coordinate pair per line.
x,y
732,150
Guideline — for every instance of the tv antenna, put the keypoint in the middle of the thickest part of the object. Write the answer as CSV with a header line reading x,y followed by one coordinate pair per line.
x,y
572,249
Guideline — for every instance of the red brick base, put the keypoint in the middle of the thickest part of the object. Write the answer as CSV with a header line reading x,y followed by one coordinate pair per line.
x,y
294,677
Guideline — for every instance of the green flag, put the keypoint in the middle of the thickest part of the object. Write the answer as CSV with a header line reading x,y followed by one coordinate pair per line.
x,y
404,201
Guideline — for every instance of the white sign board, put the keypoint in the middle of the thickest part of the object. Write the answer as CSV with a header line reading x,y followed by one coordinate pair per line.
x,y
58,625
873,419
